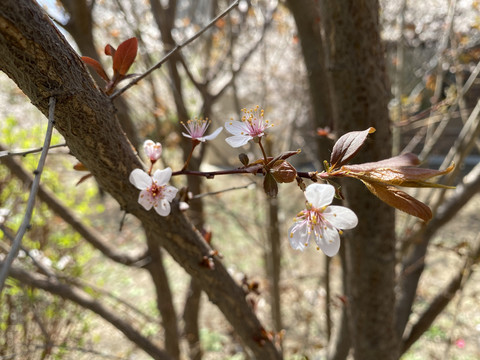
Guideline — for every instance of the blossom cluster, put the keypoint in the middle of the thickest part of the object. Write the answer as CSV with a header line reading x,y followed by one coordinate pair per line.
x,y
320,220
154,189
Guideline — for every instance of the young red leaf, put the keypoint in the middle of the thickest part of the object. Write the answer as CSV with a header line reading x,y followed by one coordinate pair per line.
x,y
80,167
125,56
401,176
109,50
83,178
96,66
403,160
283,171
348,146
270,185
400,200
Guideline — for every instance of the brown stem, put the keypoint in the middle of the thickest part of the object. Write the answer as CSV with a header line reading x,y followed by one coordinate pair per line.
x,y
263,150
164,297
189,157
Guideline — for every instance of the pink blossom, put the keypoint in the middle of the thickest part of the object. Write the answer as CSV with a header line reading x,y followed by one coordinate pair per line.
x,y
196,128
460,343
154,189
252,126
152,150
321,219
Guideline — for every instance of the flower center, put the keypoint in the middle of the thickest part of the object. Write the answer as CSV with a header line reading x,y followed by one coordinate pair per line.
x,y
196,127
254,122
155,190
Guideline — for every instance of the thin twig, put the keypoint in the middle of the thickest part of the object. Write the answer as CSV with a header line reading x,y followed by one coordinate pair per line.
x,y
174,50
224,190
27,152
31,199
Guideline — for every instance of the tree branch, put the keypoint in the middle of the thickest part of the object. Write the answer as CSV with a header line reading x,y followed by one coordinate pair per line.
x,y
413,265
175,50
83,299
85,117
27,152
441,300
17,242
91,235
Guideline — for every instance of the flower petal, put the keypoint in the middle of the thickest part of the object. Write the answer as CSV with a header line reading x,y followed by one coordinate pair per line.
x,y
236,127
212,135
299,235
169,193
162,207
140,179
340,217
145,199
320,195
161,177
238,140
186,135
328,240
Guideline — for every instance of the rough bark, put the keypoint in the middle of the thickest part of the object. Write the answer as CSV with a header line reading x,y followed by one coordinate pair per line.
x,y
41,62
80,26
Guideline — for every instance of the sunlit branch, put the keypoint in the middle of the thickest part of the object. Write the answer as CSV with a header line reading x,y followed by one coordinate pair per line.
x,y
44,269
175,50
256,169
31,199
442,299
85,300
88,233
244,60
27,152
223,191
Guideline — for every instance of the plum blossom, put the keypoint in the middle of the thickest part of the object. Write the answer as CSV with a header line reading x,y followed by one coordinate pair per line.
x,y
252,126
325,221
155,191
152,150
196,129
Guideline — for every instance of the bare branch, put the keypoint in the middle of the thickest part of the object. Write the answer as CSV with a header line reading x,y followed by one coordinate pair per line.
x,y
413,265
31,199
175,50
198,196
83,299
443,298
85,117
89,234
26,152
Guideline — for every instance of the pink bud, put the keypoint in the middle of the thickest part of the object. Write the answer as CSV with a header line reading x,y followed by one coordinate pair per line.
x,y
152,150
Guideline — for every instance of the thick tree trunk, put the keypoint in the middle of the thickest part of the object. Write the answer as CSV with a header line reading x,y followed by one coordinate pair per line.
x,y
348,51
360,96
37,57
307,18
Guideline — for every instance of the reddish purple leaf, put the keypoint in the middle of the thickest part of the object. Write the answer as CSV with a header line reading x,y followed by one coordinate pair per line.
x,y
402,160
348,146
96,66
283,171
125,56
270,185
400,200
109,50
